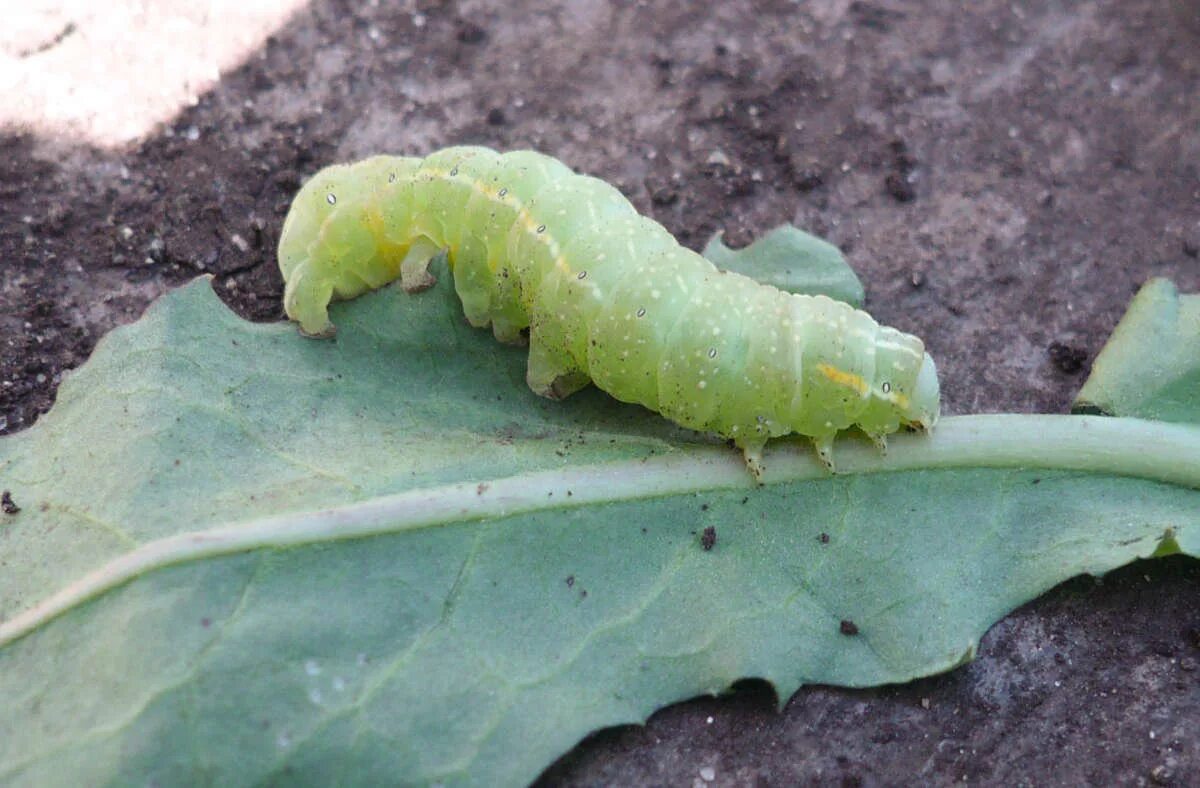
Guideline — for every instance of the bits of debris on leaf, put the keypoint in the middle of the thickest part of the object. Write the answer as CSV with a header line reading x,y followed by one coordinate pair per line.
x,y
848,627
8,505
708,538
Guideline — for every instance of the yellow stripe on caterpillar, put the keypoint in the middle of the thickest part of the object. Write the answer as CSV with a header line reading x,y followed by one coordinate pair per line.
x,y
847,379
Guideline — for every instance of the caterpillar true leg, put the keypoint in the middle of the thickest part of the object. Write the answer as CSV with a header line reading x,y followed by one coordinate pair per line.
x,y
752,453
824,446
880,441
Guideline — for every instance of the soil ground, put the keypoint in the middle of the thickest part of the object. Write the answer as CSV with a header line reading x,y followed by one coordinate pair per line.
x,y
1003,176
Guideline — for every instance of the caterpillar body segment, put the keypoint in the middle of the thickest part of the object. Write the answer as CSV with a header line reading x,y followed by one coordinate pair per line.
x,y
607,295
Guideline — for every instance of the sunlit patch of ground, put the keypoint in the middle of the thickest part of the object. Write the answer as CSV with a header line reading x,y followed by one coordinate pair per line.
x,y
106,73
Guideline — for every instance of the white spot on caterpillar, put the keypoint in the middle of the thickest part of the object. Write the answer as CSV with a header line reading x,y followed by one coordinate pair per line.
x,y
331,198
314,697
312,668
702,384
897,346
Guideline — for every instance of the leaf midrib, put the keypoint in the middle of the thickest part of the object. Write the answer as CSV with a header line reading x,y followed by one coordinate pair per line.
x,y
1157,451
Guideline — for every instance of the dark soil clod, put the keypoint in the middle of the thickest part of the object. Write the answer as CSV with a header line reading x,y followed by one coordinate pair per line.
x,y
1068,359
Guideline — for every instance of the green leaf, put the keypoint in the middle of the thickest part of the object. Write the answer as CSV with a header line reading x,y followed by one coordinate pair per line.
x,y
792,260
1151,365
244,556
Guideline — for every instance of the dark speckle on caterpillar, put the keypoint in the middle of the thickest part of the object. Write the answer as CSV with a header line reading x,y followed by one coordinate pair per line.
x,y
608,296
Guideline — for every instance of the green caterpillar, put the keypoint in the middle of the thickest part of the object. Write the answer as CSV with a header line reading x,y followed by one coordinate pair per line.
x,y
607,295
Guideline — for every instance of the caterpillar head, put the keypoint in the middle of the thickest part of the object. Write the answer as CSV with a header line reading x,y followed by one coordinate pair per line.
x,y
924,403
905,386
